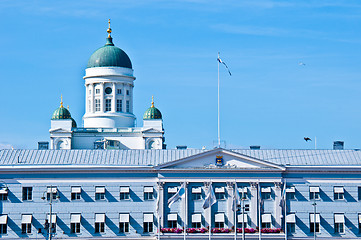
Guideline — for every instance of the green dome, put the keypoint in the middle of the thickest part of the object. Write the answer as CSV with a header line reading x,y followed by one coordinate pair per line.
x,y
61,113
152,113
109,56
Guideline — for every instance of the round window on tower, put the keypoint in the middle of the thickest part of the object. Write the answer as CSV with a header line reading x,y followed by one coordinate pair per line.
x,y
108,90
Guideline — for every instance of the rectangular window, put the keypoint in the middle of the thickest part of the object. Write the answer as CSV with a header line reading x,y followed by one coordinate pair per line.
x,y
291,222
240,222
53,222
127,106
172,220
97,90
290,193
128,92
314,223
219,220
266,220
75,193
339,222
51,192
243,192
3,228
359,223
197,193
266,193
119,91
148,193
220,193
338,193
172,191
75,222
314,193
3,193
119,105
97,105
196,220
26,223
108,105
124,222
148,222
99,193
124,193
99,223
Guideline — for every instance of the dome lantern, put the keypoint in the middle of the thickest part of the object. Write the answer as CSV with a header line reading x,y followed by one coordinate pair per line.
x,y
152,113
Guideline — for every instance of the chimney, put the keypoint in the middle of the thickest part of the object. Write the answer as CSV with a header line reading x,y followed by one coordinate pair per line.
x,y
181,147
338,145
255,147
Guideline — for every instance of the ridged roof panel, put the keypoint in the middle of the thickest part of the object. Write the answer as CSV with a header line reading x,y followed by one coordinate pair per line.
x,y
157,157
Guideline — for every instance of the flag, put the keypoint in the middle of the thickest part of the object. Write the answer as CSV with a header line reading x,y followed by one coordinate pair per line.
x,y
237,199
157,206
283,195
210,198
177,196
220,60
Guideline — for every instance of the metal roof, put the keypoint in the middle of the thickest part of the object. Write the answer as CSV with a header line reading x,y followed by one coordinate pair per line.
x,y
157,157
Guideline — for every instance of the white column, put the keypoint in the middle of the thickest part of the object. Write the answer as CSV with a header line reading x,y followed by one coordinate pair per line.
x,y
114,99
277,207
254,205
124,98
230,200
92,98
102,105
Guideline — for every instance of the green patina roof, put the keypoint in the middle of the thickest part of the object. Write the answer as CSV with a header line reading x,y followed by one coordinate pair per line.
x,y
63,113
152,113
109,56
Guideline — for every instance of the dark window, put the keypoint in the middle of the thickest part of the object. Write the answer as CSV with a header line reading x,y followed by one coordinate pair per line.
x,y
75,227
119,91
127,106
124,196
3,228
266,195
312,227
99,196
119,105
148,196
196,225
148,227
219,224
75,196
127,92
123,227
291,227
99,227
172,223
3,196
108,90
314,195
339,228
25,228
239,225
266,225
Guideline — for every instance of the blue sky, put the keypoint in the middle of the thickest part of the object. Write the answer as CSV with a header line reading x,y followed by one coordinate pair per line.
x,y
270,100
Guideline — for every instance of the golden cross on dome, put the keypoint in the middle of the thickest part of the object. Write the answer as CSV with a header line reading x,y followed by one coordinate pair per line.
x,y
152,101
61,100
109,29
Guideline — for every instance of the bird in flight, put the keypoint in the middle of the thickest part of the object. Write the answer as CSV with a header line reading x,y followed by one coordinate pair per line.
x,y
307,139
302,64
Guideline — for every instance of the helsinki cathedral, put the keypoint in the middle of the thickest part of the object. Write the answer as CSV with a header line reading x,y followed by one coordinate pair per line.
x,y
109,122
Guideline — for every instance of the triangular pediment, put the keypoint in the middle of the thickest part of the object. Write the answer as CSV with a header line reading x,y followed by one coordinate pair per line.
x,y
59,130
229,160
151,130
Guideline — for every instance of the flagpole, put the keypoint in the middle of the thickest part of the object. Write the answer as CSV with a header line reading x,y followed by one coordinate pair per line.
x,y
158,217
219,129
235,210
259,211
185,210
210,215
285,210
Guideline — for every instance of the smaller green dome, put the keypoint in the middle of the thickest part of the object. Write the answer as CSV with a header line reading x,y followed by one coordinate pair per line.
x,y
61,113
152,113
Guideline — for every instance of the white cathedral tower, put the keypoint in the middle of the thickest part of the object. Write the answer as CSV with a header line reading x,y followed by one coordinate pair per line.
x,y
109,122
109,88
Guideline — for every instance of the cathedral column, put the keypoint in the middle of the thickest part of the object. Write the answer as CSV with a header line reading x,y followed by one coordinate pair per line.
x,y
102,105
254,204
114,100
277,207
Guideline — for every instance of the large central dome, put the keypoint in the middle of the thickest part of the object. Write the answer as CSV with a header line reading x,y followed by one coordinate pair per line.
x,y
109,56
